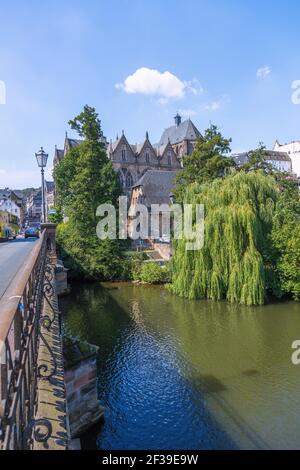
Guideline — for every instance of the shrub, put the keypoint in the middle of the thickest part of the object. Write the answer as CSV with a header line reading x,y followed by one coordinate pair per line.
x,y
152,273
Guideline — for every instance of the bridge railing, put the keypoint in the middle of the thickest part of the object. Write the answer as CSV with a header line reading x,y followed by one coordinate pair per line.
x,y
20,313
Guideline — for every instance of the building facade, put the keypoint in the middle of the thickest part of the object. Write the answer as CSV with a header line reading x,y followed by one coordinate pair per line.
x,y
131,161
34,206
293,151
155,187
49,196
11,203
280,161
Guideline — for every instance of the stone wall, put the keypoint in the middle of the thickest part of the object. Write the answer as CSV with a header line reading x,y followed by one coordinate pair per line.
x,y
61,278
84,409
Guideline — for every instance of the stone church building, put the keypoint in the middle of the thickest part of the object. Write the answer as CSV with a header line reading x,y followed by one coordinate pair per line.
x,y
131,161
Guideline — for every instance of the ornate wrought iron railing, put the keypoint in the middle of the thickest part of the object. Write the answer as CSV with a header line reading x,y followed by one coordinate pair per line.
x,y
21,318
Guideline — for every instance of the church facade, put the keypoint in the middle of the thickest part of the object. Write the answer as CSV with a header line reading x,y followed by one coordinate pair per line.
x,y
131,161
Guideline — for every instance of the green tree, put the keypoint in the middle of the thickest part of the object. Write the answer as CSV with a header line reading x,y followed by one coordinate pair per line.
x,y
85,179
286,238
207,162
87,124
257,161
234,261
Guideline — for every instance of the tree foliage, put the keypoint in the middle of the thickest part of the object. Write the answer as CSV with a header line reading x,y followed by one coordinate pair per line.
x,y
85,179
286,238
257,161
233,263
207,162
87,124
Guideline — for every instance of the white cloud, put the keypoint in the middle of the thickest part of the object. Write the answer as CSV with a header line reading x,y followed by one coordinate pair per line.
x,y
164,85
263,72
213,106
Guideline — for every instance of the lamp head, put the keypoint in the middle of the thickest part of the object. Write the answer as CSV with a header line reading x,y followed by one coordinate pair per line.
x,y
41,158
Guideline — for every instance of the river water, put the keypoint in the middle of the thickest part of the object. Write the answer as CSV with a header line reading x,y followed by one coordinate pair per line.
x,y
180,374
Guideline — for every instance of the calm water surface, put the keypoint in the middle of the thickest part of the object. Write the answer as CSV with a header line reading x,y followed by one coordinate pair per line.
x,y
178,374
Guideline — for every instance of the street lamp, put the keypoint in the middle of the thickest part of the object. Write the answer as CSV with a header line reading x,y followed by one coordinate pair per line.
x,y
41,158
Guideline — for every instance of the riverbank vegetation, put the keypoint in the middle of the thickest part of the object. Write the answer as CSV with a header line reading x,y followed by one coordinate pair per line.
x,y
150,272
252,226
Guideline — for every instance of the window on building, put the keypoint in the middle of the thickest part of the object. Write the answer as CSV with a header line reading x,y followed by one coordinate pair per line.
x,y
121,179
169,159
147,156
124,154
129,180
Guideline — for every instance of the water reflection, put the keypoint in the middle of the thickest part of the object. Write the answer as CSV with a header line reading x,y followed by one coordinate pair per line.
x,y
187,374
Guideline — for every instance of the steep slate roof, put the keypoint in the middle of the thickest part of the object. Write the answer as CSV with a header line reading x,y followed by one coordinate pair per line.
x,y
185,131
74,142
58,155
157,185
242,158
280,156
159,149
6,193
19,193
49,186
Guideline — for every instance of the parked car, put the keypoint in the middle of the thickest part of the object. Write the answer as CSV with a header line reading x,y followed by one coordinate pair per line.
x,y
9,233
32,232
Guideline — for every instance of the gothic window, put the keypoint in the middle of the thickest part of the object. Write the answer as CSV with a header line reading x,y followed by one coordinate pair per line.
x,y
147,156
129,180
124,153
120,175
169,159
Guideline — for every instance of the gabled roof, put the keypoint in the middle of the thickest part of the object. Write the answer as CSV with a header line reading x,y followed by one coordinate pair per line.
x,y
114,145
140,147
157,185
6,193
19,193
160,149
49,186
58,155
186,130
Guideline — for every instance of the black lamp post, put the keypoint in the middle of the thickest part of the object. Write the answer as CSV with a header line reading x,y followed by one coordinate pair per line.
x,y
172,198
41,158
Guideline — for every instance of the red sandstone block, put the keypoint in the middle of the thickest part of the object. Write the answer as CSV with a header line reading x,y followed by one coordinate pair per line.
x,y
81,381
93,374
69,375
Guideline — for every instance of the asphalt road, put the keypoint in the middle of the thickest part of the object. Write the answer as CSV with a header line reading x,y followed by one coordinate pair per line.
x,y
12,256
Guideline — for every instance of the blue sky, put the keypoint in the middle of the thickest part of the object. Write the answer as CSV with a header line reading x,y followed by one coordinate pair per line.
x,y
230,62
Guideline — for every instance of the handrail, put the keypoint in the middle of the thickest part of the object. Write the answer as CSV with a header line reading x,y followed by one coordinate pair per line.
x,y
10,300
20,335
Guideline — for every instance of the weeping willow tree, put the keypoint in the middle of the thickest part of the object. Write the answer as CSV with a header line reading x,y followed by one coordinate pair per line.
x,y
233,262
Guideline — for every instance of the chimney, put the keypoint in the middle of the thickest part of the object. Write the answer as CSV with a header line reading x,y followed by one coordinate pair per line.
x,y
177,120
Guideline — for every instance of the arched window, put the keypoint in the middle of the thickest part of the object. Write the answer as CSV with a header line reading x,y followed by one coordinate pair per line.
x,y
124,153
129,180
147,156
169,159
121,178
